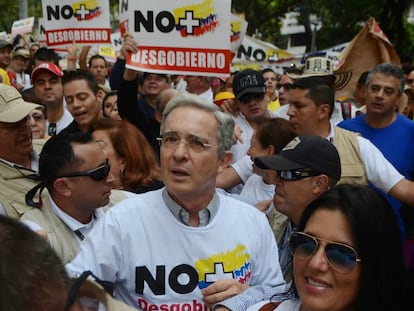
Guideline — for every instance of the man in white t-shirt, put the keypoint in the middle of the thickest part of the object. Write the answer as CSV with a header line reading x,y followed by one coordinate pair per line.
x,y
164,247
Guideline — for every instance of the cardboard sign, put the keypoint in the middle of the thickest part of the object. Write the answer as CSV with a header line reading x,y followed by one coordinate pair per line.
x,y
181,36
84,21
22,26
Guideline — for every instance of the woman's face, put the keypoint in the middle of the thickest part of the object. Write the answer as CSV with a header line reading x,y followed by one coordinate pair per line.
x,y
320,287
109,104
256,150
117,163
37,123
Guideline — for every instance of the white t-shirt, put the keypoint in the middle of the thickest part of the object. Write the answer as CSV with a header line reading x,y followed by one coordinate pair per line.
x,y
287,305
256,190
156,261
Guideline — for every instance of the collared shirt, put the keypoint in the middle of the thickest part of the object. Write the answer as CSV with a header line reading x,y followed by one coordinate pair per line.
x,y
205,215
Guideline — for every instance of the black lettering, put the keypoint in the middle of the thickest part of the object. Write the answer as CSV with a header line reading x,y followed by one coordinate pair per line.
x,y
165,15
259,55
148,23
183,288
157,285
242,51
52,12
66,12
124,5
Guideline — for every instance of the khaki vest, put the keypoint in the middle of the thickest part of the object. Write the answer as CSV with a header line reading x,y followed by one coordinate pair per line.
x,y
13,188
62,238
353,169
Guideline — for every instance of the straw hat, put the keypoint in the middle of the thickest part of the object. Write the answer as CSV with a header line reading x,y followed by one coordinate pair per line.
x,y
323,67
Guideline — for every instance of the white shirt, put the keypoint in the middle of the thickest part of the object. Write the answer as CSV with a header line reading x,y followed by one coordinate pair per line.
x,y
63,122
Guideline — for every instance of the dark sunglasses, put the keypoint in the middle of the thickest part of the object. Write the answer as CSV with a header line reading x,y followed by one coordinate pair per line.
x,y
286,86
245,99
289,175
99,173
342,257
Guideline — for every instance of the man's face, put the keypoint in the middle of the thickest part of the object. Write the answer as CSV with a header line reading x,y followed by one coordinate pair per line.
x,y
82,103
48,88
284,87
189,173
303,113
18,64
98,192
252,105
382,95
270,82
98,69
15,140
154,84
5,57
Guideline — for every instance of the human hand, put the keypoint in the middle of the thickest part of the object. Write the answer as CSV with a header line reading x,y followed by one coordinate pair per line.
x,y
230,106
263,205
237,135
72,50
221,290
129,46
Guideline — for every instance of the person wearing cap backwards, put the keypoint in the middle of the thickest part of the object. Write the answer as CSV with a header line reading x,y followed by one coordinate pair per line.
x,y
48,88
18,160
5,51
311,103
305,168
16,70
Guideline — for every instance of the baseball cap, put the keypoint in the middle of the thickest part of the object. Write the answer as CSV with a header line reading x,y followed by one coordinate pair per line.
x,y
222,96
248,81
48,67
4,43
307,151
12,106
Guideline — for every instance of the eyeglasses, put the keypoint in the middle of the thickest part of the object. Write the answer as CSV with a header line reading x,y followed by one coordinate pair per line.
x,y
341,257
195,143
289,175
97,174
286,86
245,99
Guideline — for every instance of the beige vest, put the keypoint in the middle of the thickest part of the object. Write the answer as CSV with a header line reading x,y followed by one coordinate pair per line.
x,y
353,169
62,238
13,188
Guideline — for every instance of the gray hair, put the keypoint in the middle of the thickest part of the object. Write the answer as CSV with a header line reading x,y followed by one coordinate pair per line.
x,y
225,121
388,69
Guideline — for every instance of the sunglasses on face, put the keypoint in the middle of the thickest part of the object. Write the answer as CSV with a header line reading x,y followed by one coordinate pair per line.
x,y
286,86
341,257
99,173
245,99
289,175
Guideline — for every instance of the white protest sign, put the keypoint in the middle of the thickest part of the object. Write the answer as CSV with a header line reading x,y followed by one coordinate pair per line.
x,y
238,31
84,21
181,36
116,41
22,26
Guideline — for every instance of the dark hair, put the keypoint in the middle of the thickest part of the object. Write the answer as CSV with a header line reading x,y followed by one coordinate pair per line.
x,y
320,90
129,143
388,69
276,132
363,78
44,54
30,266
93,57
74,75
377,237
57,154
263,71
162,75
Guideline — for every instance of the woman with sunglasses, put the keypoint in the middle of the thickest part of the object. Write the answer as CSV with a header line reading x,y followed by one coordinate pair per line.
x,y
346,254
133,162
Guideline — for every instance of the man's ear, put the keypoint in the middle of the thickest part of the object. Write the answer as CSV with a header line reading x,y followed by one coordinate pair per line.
x,y
63,186
225,161
324,111
320,184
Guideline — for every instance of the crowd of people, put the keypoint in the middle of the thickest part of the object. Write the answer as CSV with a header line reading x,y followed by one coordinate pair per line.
x,y
258,191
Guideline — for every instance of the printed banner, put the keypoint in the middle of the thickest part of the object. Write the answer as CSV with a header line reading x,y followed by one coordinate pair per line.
x,y
181,36
22,26
84,21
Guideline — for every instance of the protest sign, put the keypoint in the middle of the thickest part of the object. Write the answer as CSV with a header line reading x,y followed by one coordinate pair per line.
x,y
22,26
84,21
181,36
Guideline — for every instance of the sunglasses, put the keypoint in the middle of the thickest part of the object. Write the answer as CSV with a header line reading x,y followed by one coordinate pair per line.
x,y
99,173
286,86
245,99
341,257
289,175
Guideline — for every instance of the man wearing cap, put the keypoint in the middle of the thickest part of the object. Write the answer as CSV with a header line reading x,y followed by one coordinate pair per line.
x,y
18,160
311,104
390,132
16,70
5,50
48,88
305,168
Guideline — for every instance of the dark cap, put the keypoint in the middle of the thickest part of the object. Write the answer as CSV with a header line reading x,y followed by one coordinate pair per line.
x,y
4,43
248,81
307,151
